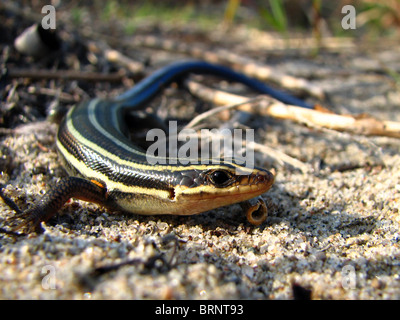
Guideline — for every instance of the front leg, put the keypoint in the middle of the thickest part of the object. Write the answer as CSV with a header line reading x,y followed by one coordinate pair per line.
x,y
55,198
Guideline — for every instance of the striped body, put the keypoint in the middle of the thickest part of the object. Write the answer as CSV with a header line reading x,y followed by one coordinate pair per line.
x,y
92,141
92,150
108,169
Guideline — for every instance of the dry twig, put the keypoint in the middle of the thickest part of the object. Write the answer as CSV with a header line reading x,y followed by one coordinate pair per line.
x,y
64,74
115,56
217,110
359,124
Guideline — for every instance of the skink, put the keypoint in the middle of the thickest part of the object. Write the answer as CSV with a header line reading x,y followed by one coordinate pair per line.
x,y
105,167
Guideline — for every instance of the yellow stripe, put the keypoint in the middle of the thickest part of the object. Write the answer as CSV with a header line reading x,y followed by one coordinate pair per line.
x,y
173,168
155,201
111,185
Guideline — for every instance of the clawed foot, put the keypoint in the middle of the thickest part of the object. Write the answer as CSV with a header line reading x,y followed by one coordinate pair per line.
x,y
27,221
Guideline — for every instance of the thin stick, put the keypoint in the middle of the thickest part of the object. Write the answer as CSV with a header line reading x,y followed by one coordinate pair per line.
x,y
358,124
280,157
214,111
115,56
64,74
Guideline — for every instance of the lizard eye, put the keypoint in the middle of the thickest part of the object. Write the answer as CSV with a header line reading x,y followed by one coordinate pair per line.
x,y
220,178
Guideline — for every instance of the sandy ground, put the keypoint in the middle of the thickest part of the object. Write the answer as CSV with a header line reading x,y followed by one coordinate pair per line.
x,y
330,234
